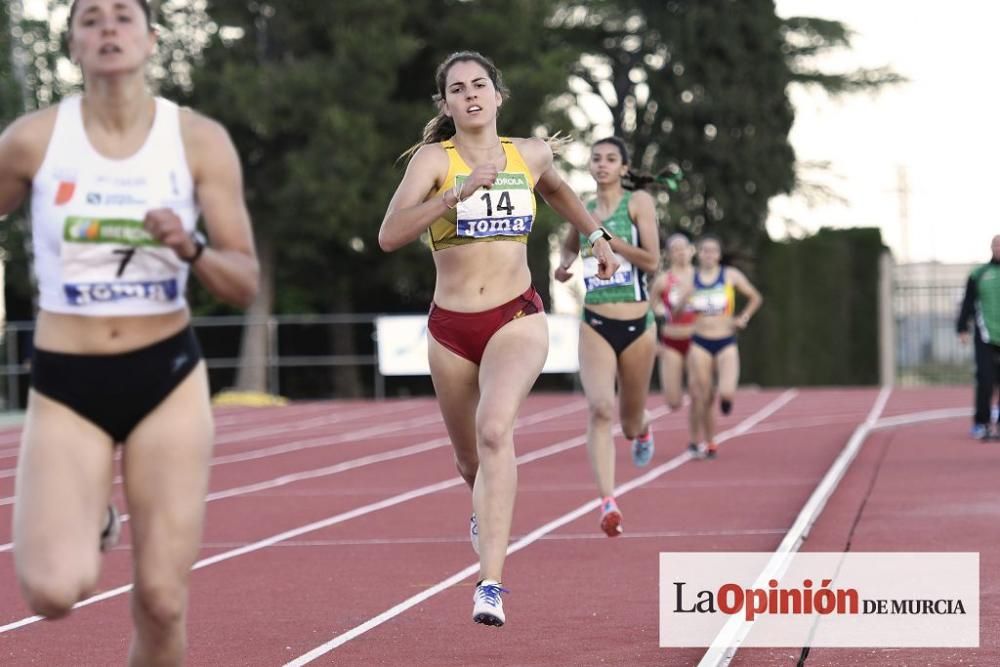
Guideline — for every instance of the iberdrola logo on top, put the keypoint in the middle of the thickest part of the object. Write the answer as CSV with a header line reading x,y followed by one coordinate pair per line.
x,y
508,180
101,230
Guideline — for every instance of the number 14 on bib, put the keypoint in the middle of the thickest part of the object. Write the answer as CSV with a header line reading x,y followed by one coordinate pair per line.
x,y
506,209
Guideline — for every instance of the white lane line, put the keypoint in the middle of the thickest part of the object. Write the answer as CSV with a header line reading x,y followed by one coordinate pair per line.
x,y
886,422
293,446
282,426
329,521
307,443
807,422
918,417
727,642
352,464
229,430
463,539
531,537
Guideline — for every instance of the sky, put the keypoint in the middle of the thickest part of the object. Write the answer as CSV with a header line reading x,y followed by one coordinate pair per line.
x,y
939,134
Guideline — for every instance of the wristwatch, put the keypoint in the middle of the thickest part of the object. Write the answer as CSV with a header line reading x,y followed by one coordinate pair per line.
x,y
599,233
200,243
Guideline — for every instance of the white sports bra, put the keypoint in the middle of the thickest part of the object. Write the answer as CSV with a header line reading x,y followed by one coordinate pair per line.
x,y
92,255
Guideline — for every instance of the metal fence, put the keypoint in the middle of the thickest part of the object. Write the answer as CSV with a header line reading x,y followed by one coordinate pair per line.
x,y
926,301
322,356
304,355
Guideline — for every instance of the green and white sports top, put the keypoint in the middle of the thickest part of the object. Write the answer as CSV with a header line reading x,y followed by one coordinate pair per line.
x,y
629,282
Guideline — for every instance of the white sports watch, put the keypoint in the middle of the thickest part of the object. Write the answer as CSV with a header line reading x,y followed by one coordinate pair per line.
x,y
599,233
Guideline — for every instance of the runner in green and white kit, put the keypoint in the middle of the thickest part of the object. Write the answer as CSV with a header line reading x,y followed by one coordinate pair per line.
x,y
617,336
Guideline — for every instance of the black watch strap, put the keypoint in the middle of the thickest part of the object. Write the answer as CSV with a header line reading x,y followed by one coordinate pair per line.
x,y
200,243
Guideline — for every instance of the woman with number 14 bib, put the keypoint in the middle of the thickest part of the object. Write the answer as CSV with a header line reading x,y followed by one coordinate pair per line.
x,y
473,191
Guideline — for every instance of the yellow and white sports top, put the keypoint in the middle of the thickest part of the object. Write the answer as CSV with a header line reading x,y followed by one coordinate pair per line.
x,y
505,212
92,255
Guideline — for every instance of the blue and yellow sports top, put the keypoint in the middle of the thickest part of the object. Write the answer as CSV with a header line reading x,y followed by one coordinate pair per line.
x,y
505,212
718,298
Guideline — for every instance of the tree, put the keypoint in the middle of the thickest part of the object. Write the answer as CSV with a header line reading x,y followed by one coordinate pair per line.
x,y
17,94
13,87
700,87
298,84
806,38
320,104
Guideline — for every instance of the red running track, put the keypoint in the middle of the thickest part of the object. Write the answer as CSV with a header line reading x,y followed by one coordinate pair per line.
x,y
323,516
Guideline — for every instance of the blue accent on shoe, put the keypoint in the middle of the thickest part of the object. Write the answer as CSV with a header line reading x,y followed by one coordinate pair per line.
x,y
491,592
980,432
642,450
487,606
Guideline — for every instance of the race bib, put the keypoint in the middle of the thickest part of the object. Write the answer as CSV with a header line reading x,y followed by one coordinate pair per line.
x,y
674,298
711,301
107,260
506,209
623,276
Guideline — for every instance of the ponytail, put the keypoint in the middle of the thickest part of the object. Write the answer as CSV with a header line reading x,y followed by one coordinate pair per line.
x,y
437,129
636,180
667,178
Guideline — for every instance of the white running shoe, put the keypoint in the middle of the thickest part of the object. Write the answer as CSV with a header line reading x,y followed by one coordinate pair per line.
x,y
112,530
487,606
474,533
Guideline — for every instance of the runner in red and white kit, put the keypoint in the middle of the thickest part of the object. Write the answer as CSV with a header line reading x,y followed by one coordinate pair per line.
x,y
674,332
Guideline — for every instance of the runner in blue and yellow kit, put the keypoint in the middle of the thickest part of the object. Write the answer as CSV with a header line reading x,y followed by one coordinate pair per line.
x,y
982,301
617,336
713,352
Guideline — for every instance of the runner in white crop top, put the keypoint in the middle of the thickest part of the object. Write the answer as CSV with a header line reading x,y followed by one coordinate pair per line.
x,y
93,255
113,177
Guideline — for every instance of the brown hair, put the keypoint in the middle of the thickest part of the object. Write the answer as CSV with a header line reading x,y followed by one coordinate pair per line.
x,y
442,126
143,5
636,180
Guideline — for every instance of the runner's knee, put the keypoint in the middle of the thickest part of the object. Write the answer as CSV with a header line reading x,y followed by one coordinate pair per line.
x,y
493,433
52,592
161,603
602,410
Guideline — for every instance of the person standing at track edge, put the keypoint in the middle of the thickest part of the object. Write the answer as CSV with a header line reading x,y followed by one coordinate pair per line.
x,y
675,331
713,350
473,190
982,302
617,336
116,178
